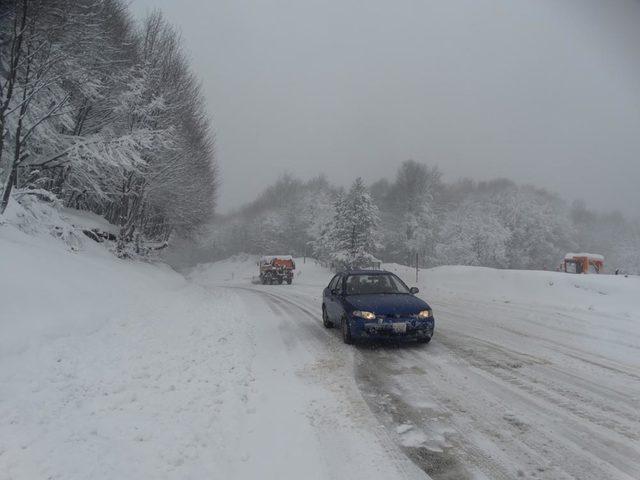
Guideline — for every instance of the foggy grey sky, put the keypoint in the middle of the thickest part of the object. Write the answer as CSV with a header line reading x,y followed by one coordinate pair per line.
x,y
540,91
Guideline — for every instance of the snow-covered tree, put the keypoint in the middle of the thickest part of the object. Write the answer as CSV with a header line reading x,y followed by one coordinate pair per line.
x,y
319,212
496,223
472,234
409,213
354,234
539,225
105,115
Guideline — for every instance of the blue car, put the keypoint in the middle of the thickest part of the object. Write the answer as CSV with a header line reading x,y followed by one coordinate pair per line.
x,y
375,304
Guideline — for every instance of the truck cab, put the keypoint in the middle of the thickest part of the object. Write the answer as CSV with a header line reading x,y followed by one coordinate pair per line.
x,y
276,269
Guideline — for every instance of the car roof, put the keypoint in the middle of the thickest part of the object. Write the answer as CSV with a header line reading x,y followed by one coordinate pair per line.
x,y
365,272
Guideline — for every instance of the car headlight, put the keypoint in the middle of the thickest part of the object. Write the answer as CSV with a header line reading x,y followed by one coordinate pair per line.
x,y
365,315
425,314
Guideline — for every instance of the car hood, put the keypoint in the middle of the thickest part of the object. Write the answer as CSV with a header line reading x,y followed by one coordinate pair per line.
x,y
387,304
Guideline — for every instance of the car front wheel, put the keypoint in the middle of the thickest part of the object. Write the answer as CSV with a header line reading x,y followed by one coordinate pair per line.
x,y
346,332
325,318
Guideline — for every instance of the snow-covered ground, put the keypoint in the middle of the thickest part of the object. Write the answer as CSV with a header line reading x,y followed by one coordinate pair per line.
x,y
530,375
120,369
534,374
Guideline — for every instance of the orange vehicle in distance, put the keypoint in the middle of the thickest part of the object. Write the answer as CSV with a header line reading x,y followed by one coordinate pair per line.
x,y
582,263
276,269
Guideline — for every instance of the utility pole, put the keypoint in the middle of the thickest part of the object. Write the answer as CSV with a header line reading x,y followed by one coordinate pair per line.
x,y
416,267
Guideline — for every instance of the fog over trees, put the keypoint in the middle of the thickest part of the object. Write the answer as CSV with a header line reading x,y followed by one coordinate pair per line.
x,y
105,114
495,223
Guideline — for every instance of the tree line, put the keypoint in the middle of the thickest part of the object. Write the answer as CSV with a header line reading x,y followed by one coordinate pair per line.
x,y
495,223
105,114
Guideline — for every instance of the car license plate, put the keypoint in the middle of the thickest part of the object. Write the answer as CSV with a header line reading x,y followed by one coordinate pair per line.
x,y
400,327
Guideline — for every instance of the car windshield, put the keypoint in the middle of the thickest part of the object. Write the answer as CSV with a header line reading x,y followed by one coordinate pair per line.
x,y
371,284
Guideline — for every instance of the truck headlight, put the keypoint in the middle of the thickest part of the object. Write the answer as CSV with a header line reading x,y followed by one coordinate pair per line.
x,y
425,314
365,315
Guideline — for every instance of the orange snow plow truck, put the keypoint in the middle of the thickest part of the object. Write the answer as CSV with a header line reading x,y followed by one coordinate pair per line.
x,y
276,269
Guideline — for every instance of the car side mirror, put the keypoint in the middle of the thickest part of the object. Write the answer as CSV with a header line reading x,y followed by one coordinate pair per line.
x,y
335,292
414,290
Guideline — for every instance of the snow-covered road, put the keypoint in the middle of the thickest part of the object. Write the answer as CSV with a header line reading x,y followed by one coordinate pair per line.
x,y
506,390
306,416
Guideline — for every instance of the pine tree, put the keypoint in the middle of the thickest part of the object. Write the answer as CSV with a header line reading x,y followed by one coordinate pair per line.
x,y
354,236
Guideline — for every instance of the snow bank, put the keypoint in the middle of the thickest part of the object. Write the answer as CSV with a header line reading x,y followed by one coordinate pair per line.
x,y
48,289
111,368
599,314
613,294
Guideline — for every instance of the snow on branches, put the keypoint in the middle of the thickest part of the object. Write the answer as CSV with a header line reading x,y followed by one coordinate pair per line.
x,y
105,114
495,224
354,234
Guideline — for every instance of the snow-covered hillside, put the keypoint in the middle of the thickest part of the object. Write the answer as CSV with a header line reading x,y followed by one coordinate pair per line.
x,y
120,369
113,369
